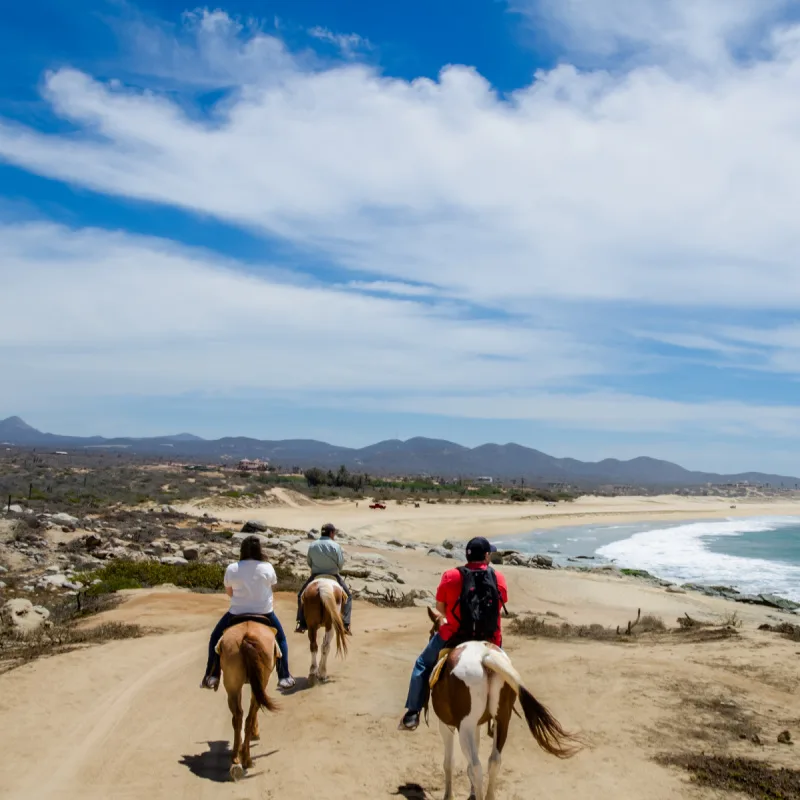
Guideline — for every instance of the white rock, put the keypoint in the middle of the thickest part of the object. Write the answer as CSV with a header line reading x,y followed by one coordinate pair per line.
x,y
15,509
64,519
173,560
23,616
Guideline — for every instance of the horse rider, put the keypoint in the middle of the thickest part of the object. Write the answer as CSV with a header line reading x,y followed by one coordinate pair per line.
x,y
470,599
325,557
249,583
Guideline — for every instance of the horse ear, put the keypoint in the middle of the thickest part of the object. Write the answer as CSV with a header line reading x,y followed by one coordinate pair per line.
x,y
432,614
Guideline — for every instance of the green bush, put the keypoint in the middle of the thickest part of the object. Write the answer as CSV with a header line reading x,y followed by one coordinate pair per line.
x,y
123,574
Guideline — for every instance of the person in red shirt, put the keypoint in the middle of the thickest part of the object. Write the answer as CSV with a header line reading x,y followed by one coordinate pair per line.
x,y
448,602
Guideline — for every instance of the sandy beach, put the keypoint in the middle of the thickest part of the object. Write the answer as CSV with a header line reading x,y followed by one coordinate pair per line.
x,y
434,522
127,719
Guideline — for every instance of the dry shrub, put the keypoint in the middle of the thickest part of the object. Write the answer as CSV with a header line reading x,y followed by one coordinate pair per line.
x,y
749,777
391,598
17,649
785,629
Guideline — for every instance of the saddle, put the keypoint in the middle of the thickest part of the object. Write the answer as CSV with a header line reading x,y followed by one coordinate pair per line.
x,y
437,670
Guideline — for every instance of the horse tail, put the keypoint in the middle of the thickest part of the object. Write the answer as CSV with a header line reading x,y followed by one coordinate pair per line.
x,y
331,607
546,729
257,667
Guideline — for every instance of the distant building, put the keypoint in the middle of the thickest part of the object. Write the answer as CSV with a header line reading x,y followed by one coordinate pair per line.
x,y
484,480
256,465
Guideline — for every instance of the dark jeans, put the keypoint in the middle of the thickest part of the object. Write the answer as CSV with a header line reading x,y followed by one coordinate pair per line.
x,y
423,668
228,620
348,603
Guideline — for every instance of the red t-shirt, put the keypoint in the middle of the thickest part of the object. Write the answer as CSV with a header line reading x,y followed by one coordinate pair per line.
x,y
449,593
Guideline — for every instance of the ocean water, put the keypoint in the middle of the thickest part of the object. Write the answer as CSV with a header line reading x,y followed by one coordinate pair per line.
x,y
753,555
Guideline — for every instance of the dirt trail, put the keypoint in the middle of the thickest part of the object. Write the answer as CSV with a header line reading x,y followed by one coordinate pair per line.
x,y
127,719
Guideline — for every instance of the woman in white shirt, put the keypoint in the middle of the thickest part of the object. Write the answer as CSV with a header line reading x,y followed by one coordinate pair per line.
x,y
249,584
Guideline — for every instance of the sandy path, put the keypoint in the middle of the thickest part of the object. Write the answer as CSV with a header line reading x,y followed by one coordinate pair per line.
x,y
126,719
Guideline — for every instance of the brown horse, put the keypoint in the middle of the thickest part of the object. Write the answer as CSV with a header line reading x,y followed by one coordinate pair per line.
x,y
477,684
247,654
323,600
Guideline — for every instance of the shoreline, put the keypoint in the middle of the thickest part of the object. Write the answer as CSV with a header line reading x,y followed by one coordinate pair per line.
x,y
431,524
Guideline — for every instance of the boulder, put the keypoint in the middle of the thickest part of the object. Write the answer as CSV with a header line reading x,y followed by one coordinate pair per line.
x,y
66,520
23,616
254,526
543,561
173,560
92,541
15,509
440,551
191,553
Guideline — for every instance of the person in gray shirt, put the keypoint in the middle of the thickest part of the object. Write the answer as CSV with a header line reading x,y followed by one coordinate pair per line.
x,y
325,557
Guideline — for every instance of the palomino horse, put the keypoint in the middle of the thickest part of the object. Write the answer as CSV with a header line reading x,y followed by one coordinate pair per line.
x,y
477,684
247,653
322,601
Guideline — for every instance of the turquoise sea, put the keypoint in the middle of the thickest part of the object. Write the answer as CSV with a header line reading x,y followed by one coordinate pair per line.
x,y
753,555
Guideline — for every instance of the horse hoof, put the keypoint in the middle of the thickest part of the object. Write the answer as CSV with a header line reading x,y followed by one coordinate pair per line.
x,y
312,680
237,772
323,678
256,737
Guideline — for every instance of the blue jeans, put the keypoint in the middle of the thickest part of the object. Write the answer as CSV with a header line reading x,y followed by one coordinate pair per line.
x,y
213,666
421,674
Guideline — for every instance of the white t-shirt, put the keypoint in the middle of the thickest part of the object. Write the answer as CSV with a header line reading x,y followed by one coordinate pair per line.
x,y
252,583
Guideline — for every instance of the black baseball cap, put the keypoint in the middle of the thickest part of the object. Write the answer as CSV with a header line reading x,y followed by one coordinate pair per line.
x,y
328,528
478,548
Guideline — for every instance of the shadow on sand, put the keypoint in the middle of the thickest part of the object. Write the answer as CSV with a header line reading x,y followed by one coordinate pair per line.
x,y
412,791
215,763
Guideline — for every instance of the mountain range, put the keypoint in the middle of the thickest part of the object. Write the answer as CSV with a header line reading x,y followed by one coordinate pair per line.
x,y
412,457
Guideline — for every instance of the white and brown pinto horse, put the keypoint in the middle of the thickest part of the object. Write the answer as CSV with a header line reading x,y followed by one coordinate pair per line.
x,y
323,601
477,684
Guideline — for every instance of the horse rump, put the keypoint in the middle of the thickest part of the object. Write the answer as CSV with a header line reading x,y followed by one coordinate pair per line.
x,y
257,664
330,607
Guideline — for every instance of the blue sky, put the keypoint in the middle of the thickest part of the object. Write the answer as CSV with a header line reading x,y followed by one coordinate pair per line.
x,y
566,223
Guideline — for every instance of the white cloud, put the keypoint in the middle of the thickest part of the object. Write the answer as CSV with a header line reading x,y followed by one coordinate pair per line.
x,y
95,314
702,31
644,187
108,313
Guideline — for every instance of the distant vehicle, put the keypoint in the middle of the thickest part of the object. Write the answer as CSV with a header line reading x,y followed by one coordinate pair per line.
x,y
377,505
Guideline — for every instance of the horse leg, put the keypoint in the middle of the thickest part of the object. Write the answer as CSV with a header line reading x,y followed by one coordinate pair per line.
x,y
235,705
249,727
326,648
449,739
469,735
505,707
312,638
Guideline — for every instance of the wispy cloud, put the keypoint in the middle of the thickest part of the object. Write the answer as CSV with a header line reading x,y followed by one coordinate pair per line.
x,y
684,34
350,44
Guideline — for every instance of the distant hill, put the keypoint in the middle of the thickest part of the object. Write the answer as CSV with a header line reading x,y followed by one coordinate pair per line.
x,y
415,456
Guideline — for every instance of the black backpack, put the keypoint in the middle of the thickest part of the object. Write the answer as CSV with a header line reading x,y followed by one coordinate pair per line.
x,y
479,606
